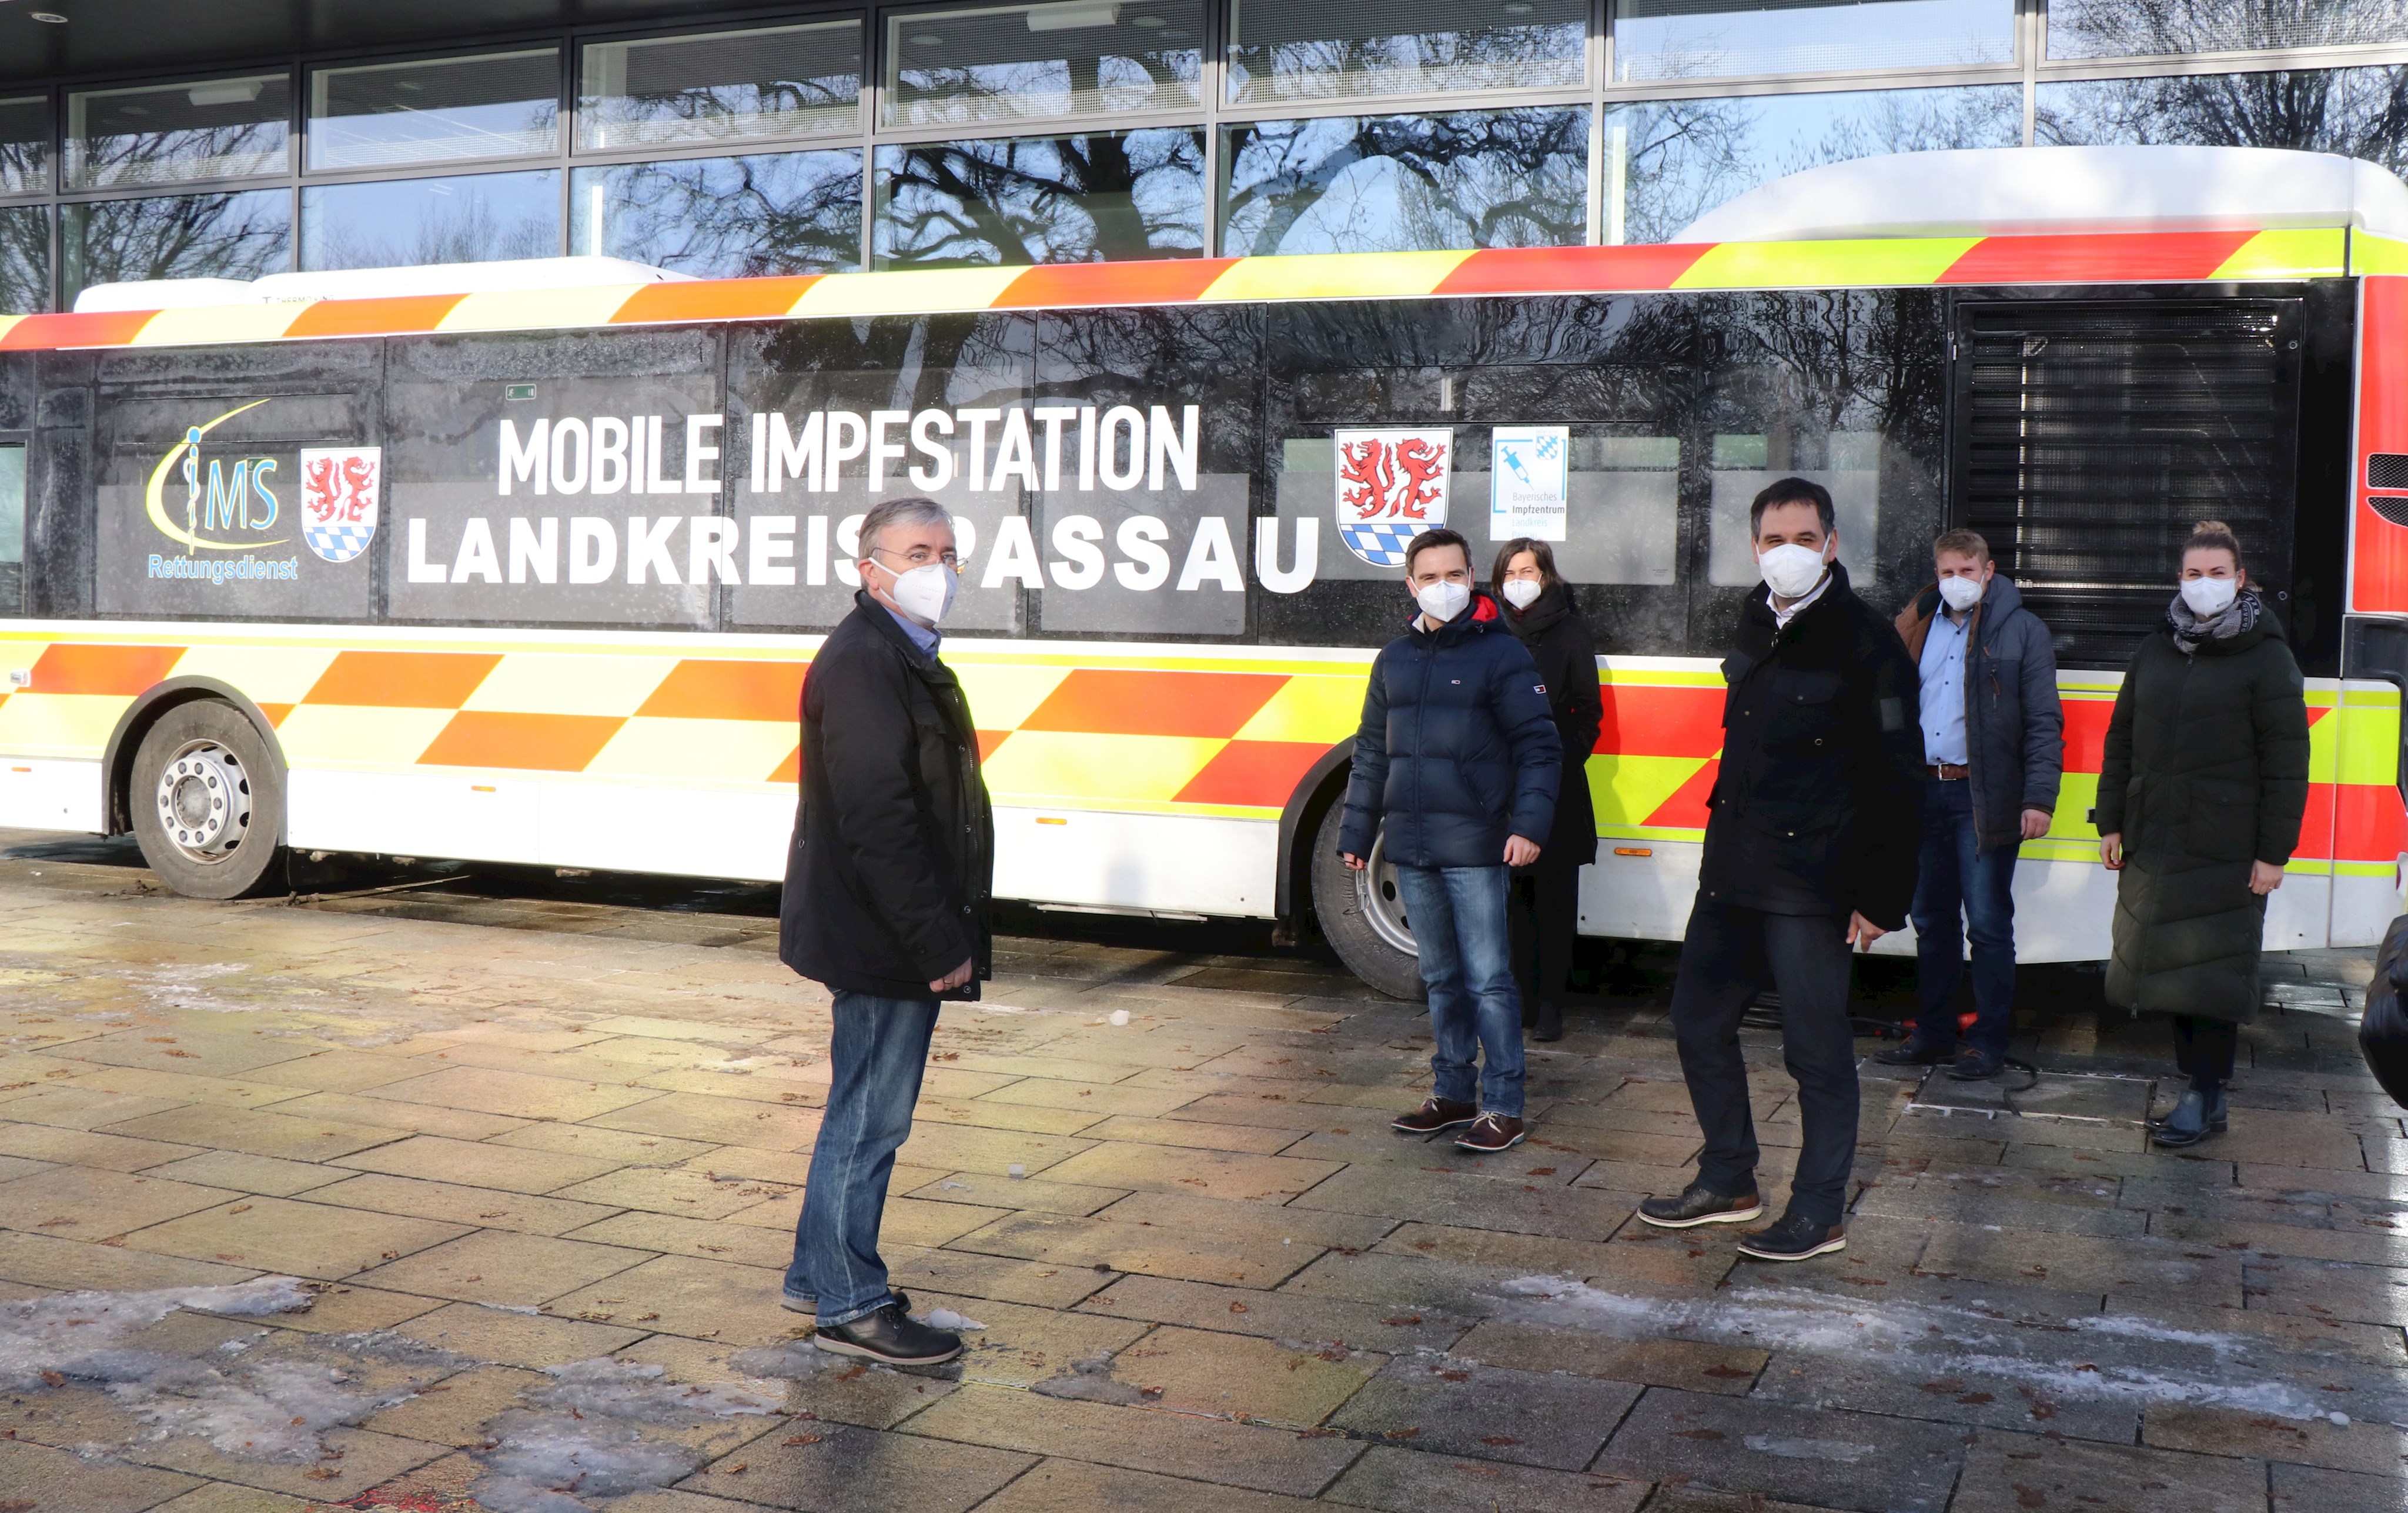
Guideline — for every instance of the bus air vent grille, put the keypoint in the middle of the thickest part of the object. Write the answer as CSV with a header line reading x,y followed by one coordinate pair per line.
x,y
2387,469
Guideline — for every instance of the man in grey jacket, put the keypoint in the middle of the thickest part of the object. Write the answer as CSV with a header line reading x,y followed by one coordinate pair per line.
x,y
1993,746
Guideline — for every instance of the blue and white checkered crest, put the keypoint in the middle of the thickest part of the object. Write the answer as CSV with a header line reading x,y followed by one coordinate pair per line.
x,y
1382,544
339,543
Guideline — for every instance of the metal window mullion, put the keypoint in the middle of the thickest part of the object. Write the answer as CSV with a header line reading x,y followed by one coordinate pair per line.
x,y
1211,82
873,107
1600,53
2031,22
564,130
2257,61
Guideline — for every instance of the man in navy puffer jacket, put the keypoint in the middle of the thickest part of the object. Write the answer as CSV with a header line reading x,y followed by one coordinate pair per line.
x,y
1458,755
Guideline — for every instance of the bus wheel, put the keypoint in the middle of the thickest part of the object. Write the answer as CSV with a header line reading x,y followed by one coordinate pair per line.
x,y
207,802
1363,916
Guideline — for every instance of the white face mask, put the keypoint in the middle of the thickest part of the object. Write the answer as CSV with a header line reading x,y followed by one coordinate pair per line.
x,y
1961,593
1790,570
1522,592
926,593
2210,597
1443,600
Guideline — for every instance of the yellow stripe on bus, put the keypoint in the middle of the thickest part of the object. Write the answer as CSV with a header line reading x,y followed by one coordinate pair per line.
x,y
1323,710
1060,764
726,751
1334,276
912,291
219,324
538,310
2376,254
1624,790
2322,253
1883,262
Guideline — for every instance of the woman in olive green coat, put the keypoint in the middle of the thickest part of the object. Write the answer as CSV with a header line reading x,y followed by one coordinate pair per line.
x,y
2200,798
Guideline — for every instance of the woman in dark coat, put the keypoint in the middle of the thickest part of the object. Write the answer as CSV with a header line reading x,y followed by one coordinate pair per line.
x,y
2200,798
1546,896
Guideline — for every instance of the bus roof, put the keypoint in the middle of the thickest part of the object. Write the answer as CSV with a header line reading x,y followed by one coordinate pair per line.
x,y
2189,256
2041,191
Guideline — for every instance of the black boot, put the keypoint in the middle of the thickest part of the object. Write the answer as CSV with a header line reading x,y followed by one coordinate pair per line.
x,y
1550,1024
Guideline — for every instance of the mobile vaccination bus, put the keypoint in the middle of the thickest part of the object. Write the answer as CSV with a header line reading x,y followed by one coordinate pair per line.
x,y
526,563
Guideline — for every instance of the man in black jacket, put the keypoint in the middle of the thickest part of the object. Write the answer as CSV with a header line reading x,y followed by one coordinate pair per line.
x,y
885,903
1460,758
1994,749
1810,850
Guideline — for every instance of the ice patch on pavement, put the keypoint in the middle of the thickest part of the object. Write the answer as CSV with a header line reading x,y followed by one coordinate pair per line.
x,y
1808,1449
585,1438
1090,1380
946,1318
84,1334
2161,1364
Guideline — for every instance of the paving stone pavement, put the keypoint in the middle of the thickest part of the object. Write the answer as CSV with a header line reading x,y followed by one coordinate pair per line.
x,y
435,1198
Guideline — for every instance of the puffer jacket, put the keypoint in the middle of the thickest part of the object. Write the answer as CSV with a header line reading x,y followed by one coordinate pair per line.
x,y
1818,800
2015,725
2205,772
1560,643
1458,751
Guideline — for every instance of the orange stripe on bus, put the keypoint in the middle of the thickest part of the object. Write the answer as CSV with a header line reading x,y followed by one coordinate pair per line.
x,y
100,328
123,671
704,689
402,680
1167,281
1095,701
1507,270
789,771
715,299
541,743
1641,720
2116,257
275,714
1259,772
1687,809
373,317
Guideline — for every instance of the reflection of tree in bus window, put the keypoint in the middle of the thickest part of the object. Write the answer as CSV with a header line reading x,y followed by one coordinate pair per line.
x,y
1106,196
238,236
1393,183
724,218
2356,113
2140,28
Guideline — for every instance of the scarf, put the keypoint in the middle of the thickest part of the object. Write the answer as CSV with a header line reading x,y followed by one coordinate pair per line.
x,y
2191,631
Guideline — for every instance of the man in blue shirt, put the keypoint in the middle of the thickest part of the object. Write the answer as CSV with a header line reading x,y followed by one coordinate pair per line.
x,y
1993,752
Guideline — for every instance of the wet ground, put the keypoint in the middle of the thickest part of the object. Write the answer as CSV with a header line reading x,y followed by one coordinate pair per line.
x,y
434,1187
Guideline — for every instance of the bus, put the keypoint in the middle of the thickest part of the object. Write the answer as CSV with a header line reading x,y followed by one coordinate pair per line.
x,y
528,567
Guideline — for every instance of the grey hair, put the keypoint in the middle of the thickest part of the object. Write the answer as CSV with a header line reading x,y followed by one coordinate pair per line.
x,y
887,514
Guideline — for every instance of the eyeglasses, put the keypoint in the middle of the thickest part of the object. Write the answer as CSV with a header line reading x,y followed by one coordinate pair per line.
x,y
920,557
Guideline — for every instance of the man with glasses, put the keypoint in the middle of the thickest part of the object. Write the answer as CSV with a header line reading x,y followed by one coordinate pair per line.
x,y
885,903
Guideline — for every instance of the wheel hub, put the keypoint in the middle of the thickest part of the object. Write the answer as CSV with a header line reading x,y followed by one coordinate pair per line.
x,y
204,800
1384,907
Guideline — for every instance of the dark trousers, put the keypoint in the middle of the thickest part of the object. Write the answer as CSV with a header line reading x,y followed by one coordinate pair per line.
x,y
1725,957
876,1057
1962,893
2205,1050
1546,917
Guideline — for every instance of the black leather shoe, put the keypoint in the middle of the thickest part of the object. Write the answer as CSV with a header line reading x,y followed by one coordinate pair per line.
x,y
1918,1051
893,1337
1700,1205
1795,1238
1974,1065
1550,1024
812,1305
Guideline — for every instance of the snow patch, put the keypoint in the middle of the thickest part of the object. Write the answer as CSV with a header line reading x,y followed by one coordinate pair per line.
x,y
946,1318
2155,1364
82,1333
586,1440
1808,1449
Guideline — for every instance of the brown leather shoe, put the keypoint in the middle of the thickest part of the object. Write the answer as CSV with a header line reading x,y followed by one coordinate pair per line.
x,y
1489,1133
1433,1116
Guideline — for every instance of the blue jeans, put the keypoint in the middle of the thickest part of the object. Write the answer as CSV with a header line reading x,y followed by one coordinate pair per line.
x,y
1460,926
1961,893
876,1057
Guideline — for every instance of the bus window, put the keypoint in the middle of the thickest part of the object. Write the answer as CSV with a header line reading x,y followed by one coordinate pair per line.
x,y
1850,467
13,529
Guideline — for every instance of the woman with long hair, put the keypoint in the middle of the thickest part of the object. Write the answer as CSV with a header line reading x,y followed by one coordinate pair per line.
x,y
2200,798
1546,896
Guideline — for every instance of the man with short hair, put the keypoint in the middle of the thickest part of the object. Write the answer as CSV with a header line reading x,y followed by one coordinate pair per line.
x,y
1456,770
1810,850
1993,751
885,903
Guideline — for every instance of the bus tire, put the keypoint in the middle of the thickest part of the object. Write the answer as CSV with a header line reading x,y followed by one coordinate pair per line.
x,y
207,802
1361,916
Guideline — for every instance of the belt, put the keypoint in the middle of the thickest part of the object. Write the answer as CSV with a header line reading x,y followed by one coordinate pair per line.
x,y
1948,771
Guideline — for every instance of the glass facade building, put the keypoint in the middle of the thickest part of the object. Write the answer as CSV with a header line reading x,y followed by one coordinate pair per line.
x,y
1072,130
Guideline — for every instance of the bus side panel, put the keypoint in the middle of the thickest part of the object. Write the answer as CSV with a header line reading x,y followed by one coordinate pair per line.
x,y
46,794
2379,547
1176,863
2370,822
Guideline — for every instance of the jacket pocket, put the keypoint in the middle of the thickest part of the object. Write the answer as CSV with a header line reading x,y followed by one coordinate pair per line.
x,y
1802,708
2220,824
